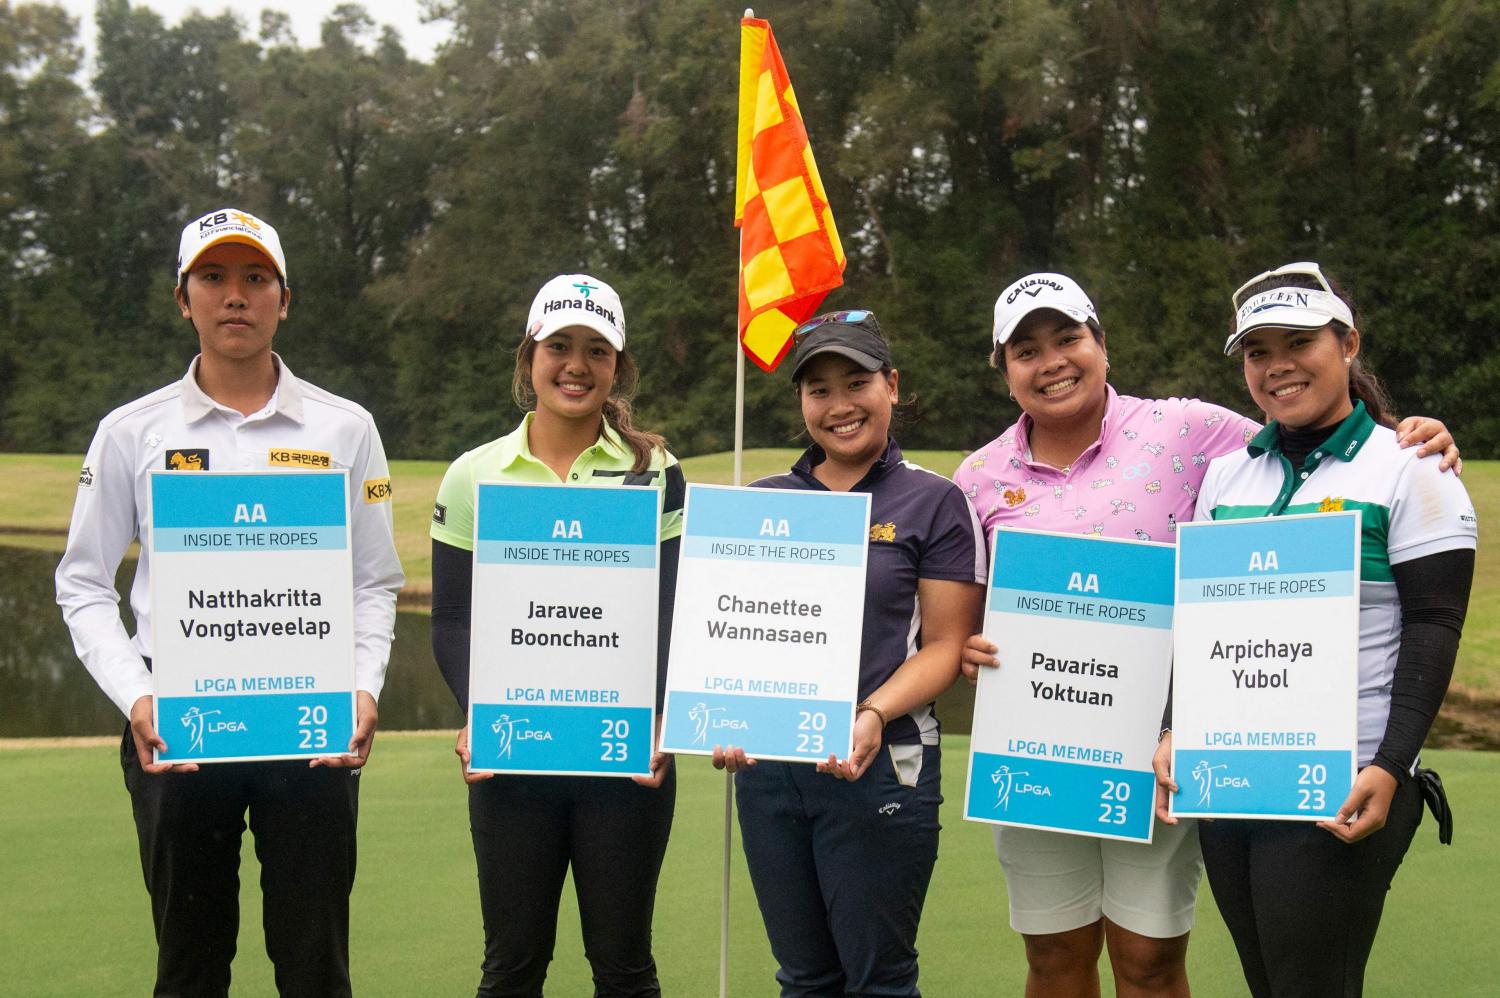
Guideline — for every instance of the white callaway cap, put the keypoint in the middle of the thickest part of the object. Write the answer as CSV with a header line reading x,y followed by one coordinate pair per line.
x,y
577,300
229,225
1037,291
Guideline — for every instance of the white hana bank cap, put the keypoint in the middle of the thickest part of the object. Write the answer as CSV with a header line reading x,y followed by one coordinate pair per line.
x,y
577,300
1286,307
229,225
1037,291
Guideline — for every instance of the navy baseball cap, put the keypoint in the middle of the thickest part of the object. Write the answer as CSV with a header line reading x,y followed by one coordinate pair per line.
x,y
851,333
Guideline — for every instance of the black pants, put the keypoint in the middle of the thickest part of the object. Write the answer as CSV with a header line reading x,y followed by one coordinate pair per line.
x,y
1301,905
841,870
527,831
189,826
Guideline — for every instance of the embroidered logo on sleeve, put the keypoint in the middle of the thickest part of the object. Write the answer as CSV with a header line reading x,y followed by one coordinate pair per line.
x,y
377,490
288,458
188,459
439,513
86,478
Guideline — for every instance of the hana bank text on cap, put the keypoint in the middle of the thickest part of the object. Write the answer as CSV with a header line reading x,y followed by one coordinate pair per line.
x,y
577,300
229,225
1057,292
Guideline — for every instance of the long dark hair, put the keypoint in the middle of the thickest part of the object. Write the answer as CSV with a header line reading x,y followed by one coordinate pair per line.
x,y
617,410
1364,386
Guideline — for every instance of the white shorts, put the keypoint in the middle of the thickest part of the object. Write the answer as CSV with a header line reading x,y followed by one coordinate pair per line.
x,y
1061,882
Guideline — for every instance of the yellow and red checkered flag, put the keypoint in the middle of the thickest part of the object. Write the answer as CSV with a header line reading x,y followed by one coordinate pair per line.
x,y
790,256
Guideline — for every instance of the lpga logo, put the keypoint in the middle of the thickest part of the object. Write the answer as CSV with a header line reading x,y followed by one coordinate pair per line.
x,y
506,727
1203,775
197,722
702,716
1008,782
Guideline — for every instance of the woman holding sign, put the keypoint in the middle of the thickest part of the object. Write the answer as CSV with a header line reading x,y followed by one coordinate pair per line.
x,y
1084,459
1303,901
576,377
841,853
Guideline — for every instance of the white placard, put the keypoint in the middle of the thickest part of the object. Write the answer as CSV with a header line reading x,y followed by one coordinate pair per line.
x,y
252,599
1265,685
562,661
1065,728
768,621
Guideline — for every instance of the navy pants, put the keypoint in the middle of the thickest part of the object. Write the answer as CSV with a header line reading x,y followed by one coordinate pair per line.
x,y
841,869
189,826
1301,905
527,831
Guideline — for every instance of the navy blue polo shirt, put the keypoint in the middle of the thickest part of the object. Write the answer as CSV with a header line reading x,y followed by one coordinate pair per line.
x,y
921,527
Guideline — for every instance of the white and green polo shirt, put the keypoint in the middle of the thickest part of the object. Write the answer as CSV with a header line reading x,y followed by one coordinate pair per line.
x,y
1409,510
509,459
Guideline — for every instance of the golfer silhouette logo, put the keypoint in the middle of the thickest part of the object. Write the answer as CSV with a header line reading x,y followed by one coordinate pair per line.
x,y
196,721
1004,779
701,714
1203,775
505,727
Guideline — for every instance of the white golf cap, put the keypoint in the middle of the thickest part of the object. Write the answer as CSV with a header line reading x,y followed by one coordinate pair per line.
x,y
229,225
577,300
1057,292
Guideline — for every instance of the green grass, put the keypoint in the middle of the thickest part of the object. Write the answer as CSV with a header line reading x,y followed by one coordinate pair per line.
x,y
77,921
36,493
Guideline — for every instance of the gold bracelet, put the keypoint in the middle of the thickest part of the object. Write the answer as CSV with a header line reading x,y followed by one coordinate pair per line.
x,y
864,705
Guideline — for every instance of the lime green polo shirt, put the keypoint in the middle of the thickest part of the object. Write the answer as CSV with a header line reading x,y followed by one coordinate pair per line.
x,y
509,459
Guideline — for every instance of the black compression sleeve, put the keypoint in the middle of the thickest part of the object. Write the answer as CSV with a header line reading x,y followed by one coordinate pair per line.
x,y
666,595
452,598
1434,594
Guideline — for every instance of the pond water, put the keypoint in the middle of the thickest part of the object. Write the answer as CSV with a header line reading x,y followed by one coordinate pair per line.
x,y
46,692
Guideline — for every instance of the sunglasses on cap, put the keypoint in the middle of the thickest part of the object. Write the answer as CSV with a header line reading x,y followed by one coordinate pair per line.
x,y
1305,268
849,317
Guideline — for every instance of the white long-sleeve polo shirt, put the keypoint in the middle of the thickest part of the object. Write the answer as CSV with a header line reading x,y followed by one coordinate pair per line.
x,y
178,426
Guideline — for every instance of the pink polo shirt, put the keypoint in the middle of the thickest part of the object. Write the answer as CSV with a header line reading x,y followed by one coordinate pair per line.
x,y
1139,479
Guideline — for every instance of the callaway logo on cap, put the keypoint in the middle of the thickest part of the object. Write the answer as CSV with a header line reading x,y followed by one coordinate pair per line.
x,y
1036,291
229,225
577,300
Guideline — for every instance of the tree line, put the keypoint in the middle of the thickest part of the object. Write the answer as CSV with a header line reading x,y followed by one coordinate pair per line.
x,y
1161,151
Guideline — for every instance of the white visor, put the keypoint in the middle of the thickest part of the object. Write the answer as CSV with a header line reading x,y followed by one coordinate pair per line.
x,y
1288,308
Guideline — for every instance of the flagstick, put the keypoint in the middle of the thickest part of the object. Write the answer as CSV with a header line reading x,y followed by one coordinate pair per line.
x,y
739,478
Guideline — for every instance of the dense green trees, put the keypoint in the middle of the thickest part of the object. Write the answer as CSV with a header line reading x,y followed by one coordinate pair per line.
x,y
1159,150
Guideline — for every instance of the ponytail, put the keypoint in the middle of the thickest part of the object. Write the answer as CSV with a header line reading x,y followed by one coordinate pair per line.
x,y
1364,386
617,410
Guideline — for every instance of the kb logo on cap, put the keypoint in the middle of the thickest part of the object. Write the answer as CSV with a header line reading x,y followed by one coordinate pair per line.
x,y
222,217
